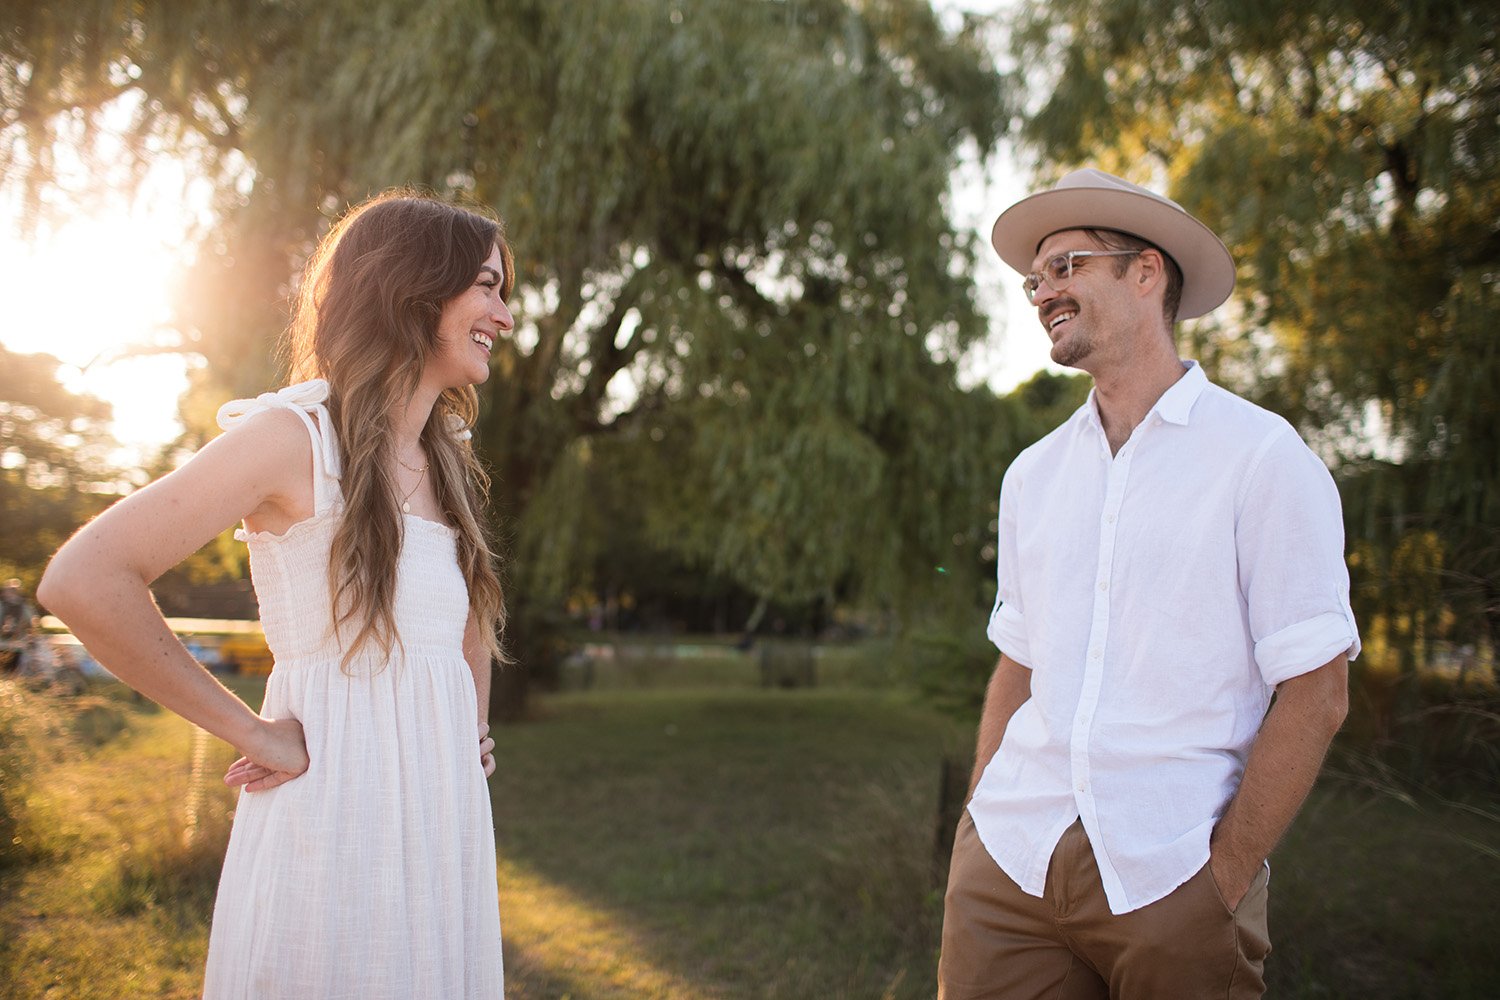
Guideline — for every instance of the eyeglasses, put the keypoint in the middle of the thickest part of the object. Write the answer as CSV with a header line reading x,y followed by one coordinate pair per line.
x,y
1057,272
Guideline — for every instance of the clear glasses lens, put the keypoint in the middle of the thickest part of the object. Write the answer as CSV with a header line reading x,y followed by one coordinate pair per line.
x,y
1057,272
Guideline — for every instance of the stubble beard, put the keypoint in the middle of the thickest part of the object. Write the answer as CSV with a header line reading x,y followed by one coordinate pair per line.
x,y
1072,349
1075,344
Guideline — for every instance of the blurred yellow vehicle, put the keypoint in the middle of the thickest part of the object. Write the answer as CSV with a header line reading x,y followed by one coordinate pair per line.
x,y
245,654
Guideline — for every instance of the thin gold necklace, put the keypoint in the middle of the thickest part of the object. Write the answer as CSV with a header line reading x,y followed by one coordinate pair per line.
x,y
409,468
421,475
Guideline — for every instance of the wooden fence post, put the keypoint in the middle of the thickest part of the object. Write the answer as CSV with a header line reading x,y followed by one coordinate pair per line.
x,y
953,790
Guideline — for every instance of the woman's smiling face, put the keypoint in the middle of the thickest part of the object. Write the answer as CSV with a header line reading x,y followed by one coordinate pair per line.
x,y
470,324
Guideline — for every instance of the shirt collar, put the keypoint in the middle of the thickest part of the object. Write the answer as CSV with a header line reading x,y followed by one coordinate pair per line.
x,y
1176,404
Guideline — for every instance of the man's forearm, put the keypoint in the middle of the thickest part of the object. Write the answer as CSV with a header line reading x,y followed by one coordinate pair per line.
x,y
1284,762
1008,690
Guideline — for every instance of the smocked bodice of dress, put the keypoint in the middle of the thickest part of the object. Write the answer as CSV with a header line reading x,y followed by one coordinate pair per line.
x,y
290,570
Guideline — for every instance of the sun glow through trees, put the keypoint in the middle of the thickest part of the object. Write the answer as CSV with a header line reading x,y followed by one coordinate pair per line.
x,y
95,291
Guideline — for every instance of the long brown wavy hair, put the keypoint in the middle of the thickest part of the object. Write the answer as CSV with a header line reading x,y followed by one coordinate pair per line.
x,y
366,321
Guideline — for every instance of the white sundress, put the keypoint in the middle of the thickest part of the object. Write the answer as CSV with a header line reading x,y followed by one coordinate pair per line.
x,y
372,875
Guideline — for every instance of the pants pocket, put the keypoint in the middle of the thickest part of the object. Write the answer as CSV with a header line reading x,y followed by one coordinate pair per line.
x,y
1257,887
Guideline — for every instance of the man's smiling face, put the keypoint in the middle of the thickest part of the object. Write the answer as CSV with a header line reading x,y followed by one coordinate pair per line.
x,y
1082,317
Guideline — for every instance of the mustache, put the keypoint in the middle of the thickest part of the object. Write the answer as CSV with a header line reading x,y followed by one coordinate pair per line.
x,y
1058,306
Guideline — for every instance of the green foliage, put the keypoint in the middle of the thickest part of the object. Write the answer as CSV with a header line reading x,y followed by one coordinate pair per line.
x,y
1049,398
1372,896
1349,153
951,664
54,462
734,260
57,436
1413,736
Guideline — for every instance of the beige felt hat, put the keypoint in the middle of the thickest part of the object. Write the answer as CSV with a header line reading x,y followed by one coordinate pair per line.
x,y
1092,199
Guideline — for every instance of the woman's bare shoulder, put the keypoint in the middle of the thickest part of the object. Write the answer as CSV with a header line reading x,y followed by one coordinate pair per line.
x,y
272,434
266,454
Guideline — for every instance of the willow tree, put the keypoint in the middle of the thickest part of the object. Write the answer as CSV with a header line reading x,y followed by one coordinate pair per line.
x,y
55,464
1349,152
735,261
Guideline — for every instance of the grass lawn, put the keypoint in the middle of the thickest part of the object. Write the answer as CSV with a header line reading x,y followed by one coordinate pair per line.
x,y
680,844
102,897
1374,897
727,844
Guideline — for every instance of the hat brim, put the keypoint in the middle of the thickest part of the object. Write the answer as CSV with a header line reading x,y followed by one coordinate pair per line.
x,y
1206,265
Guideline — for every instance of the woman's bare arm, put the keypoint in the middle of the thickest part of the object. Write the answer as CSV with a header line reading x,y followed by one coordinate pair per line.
x,y
97,582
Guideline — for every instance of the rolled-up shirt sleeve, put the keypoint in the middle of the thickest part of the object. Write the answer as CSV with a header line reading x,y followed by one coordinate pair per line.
x,y
1289,535
1007,627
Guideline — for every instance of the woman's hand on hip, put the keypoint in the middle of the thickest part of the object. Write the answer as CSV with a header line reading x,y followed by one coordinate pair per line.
x,y
280,754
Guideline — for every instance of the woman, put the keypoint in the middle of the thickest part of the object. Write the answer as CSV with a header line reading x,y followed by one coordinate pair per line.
x,y
361,863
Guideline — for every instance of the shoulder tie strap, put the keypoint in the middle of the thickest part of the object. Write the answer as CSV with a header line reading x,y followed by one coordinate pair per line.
x,y
305,399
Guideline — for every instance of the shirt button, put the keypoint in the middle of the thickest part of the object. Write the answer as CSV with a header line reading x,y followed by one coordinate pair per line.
x,y
1083,786
1103,584
1095,654
1109,519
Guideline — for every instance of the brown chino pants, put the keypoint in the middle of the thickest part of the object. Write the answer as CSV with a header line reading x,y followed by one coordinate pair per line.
x,y
1001,944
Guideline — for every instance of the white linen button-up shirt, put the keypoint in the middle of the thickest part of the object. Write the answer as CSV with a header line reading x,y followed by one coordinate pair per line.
x,y
1158,596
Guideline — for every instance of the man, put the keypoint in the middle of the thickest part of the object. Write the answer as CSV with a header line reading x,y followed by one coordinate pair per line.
x,y
1168,558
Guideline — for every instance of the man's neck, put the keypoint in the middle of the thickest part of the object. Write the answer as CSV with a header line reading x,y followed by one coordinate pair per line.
x,y
1125,396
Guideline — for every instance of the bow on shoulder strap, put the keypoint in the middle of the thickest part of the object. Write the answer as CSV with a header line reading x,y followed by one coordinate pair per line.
x,y
303,398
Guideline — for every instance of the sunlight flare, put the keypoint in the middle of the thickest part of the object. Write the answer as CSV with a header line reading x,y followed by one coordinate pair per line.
x,y
96,293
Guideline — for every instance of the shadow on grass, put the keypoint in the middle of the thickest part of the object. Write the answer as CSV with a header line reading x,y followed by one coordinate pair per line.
x,y
558,944
758,844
